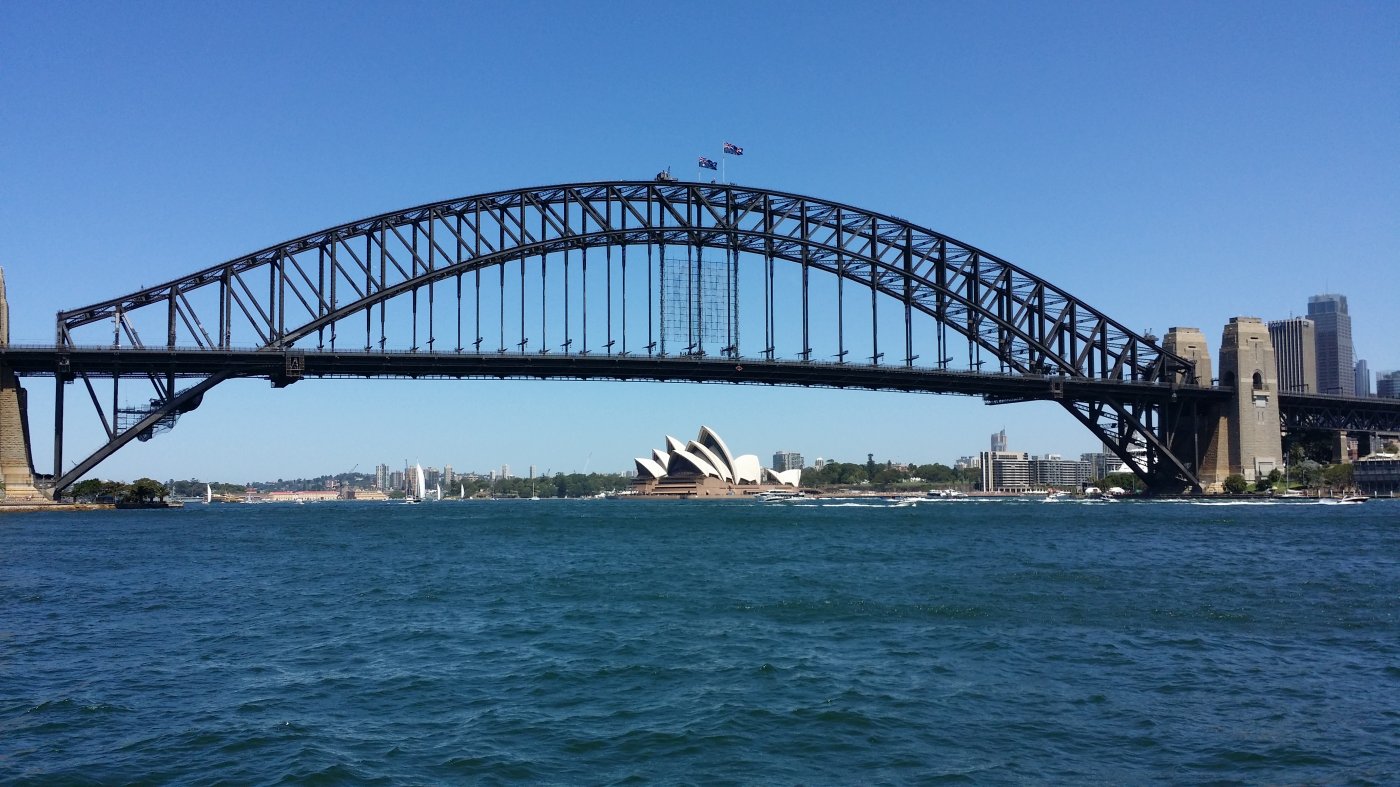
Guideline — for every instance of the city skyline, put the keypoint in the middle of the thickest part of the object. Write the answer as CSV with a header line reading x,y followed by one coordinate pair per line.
x,y
1164,190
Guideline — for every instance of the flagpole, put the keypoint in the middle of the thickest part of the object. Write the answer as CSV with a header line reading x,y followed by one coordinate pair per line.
x,y
722,177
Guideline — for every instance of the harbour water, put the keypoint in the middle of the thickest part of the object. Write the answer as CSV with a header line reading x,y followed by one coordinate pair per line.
x,y
593,642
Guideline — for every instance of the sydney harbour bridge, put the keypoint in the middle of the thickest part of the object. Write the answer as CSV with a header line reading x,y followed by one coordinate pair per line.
x,y
648,280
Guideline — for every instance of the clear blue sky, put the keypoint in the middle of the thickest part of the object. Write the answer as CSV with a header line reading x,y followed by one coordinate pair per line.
x,y
1170,163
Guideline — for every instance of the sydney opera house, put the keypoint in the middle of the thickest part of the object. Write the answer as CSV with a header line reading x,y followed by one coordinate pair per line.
x,y
704,467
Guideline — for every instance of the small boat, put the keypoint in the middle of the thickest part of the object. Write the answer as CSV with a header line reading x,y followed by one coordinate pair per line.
x,y
1353,500
779,495
1054,496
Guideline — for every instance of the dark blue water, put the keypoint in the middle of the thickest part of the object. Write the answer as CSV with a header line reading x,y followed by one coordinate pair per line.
x,y
605,642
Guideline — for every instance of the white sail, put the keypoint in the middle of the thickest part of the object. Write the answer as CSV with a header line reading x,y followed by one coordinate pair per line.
x,y
439,491
462,492
208,493
420,489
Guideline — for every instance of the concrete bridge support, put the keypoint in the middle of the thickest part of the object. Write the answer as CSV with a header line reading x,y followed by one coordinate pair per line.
x,y
1206,437
1247,364
16,461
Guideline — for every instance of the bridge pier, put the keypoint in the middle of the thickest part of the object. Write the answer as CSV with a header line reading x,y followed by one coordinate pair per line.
x,y
1241,437
16,460
1207,439
1247,364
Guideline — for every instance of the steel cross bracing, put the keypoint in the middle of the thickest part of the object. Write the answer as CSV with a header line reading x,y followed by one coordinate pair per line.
x,y
1300,412
511,268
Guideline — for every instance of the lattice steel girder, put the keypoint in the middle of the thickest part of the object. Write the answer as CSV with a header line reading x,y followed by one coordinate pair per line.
x,y
1027,323
1337,413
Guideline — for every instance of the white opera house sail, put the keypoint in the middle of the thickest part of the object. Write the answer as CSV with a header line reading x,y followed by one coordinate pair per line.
x,y
705,467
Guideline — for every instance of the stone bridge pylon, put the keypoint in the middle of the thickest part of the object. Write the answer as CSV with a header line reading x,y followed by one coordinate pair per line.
x,y
16,461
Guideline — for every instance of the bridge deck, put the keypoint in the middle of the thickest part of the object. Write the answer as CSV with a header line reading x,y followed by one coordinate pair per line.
x,y
290,365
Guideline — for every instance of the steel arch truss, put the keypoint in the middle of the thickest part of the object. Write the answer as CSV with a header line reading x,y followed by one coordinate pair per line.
x,y
321,290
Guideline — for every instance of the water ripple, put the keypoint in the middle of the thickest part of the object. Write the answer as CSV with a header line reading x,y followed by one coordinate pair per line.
x,y
583,642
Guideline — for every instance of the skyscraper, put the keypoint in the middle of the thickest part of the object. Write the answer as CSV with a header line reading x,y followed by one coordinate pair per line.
x,y
787,460
1335,357
1295,349
999,442
1363,378
1388,385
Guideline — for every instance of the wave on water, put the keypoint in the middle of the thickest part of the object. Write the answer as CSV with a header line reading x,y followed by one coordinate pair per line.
x,y
856,505
701,642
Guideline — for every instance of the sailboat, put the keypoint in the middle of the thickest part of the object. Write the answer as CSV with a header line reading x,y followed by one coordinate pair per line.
x,y
419,490
208,494
439,493
462,492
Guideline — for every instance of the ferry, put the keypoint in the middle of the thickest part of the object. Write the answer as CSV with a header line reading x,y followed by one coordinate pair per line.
x,y
780,495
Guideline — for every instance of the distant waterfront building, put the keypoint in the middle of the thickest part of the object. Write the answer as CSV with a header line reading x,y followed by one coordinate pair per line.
x,y
381,477
1335,357
449,475
1005,471
1363,378
1102,463
1057,472
1388,385
1295,350
395,480
787,460
705,467
999,442
303,496
1378,474
968,462
819,463
505,471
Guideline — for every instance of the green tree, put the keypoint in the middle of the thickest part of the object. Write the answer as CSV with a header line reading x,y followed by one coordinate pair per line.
x,y
1126,481
1338,476
145,490
87,489
1307,473
1235,484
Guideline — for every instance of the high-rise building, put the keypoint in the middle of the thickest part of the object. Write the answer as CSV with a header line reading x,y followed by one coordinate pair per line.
x,y
1335,357
1101,463
1363,378
1295,350
449,475
999,442
1052,470
1005,471
381,477
1388,385
787,460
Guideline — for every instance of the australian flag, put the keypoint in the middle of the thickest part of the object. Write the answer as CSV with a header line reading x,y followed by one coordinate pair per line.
x,y
733,149
708,163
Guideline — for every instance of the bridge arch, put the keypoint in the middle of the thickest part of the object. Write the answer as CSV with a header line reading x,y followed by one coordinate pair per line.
x,y
329,283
